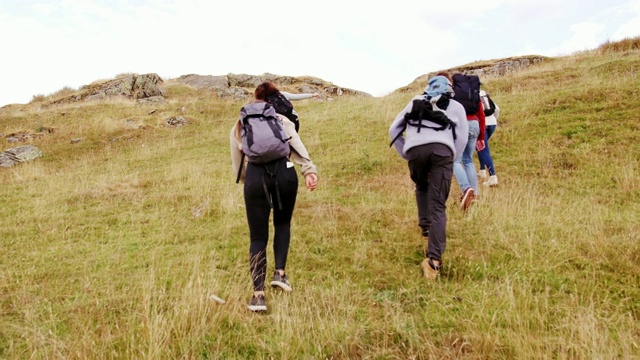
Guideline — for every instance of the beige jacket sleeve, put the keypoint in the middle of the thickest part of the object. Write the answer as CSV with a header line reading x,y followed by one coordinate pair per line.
x,y
236,151
299,153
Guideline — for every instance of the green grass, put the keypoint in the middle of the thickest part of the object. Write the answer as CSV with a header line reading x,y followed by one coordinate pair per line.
x,y
112,246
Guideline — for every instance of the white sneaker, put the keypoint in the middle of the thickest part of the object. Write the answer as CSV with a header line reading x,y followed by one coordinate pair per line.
x,y
493,181
482,174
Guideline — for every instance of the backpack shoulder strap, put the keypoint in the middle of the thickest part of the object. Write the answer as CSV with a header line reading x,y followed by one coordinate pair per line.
x,y
240,168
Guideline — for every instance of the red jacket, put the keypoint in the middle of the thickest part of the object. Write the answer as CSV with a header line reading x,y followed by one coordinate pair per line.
x,y
479,116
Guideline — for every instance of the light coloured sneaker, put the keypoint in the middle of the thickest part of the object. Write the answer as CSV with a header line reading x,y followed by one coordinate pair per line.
x,y
429,270
281,281
483,174
258,304
493,181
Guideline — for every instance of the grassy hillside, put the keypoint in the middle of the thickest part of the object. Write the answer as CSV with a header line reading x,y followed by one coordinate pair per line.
x,y
113,245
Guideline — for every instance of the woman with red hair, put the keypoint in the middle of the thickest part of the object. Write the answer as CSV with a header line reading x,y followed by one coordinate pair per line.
x,y
281,101
259,188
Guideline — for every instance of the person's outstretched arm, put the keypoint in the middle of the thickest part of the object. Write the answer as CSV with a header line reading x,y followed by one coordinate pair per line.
x,y
294,97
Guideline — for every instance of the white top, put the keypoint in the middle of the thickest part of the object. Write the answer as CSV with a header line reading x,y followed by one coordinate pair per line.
x,y
493,118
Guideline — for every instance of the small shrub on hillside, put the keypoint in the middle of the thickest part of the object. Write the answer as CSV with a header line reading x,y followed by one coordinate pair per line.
x,y
65,91
124,75
37,98
626,44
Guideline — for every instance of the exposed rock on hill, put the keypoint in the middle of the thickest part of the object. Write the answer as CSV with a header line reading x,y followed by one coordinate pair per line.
x,y
21,136
499,67
18,155
131,86
241,86
175,121
484,69
148,88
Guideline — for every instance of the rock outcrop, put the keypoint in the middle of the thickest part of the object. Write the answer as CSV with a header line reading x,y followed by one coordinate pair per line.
x,y
241,86
144,87
18,155
484,69
148,88
499,67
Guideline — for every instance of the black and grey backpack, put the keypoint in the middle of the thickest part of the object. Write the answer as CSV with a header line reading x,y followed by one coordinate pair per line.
x,y
427,110
263,137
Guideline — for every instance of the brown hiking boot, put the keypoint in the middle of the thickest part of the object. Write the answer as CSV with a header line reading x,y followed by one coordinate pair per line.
x,y
429,270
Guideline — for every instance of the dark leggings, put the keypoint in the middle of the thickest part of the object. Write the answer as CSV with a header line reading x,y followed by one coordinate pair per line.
x,y
484,156
258,205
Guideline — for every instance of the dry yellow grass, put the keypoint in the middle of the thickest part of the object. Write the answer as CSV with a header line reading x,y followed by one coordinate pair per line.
x,y
113,246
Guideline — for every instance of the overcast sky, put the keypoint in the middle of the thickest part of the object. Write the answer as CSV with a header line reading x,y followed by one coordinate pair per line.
x,y
369,46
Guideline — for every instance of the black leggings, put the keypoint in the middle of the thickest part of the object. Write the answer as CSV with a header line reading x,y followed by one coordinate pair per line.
x,y
260,193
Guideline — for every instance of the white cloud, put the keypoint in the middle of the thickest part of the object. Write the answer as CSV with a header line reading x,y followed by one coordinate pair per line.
x,y
585,36
631,28
377,49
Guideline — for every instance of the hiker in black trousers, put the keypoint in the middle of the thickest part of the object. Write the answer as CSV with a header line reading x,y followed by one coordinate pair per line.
x,y
262,192
428,133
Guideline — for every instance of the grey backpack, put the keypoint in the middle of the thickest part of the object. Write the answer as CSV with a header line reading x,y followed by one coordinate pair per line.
x,y
263,136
